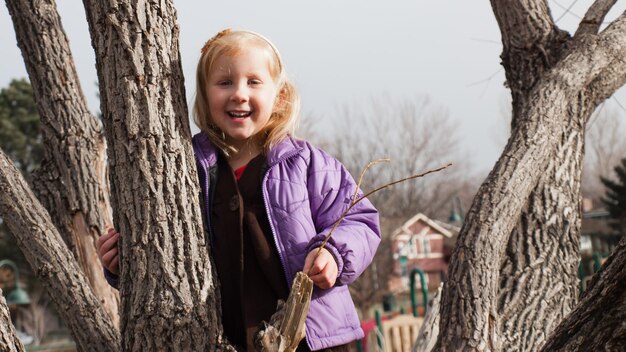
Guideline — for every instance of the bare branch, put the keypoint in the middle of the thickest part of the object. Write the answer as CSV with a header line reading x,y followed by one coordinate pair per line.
x,y
594,17
72,182
356,201
402,180
372,163
55,266
613,73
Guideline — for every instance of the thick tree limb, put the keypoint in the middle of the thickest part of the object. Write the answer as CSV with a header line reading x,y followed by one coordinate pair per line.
x,y
9,342
53,263
594,17
71,182
469,316
537,284
523,22
168,290
598,322
531,45
612,44
539,265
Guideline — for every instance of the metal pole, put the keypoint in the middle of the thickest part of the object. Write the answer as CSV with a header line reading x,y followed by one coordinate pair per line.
x,y
596,262
424,290
379,335
581,276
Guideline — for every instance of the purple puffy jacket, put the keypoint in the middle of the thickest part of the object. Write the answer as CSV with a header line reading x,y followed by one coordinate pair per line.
x,y
305,191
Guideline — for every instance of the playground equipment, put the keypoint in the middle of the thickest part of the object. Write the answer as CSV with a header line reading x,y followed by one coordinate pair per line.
x,y
397,333
419,272
597,258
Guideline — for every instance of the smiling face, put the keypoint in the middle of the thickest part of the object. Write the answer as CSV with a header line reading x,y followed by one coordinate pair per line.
x,y
241,94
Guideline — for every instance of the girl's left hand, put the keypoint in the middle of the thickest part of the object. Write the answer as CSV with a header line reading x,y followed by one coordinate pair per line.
x,y
322,270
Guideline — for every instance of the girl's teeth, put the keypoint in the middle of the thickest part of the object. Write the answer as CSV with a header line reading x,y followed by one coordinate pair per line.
x,y
239,114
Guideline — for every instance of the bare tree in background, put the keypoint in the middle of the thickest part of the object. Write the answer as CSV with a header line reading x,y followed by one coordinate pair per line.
x,y
417,135
606,146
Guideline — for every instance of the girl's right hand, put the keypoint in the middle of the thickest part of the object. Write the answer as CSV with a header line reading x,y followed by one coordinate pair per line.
x,y
106,246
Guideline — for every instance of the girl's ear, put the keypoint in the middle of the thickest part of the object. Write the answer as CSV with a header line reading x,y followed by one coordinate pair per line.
x,y
280,102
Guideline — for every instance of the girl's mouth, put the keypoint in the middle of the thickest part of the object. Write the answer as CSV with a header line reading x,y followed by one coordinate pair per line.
x,y
239,114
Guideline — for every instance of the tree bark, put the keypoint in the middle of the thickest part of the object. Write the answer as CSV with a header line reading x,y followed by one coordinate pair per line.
x,y
598,322
71,182
538,282
9,342
168,288
530,199
53,263
429,331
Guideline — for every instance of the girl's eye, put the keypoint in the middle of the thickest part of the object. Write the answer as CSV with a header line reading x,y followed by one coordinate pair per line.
x,y
254,82
224,83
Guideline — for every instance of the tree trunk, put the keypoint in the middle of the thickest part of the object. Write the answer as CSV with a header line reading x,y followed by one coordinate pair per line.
x,y
538,281
538,276
168,288
71,182
598,322
504,298
9,342
53,263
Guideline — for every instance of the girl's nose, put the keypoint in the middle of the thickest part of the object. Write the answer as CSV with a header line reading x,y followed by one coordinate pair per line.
x,y
240,94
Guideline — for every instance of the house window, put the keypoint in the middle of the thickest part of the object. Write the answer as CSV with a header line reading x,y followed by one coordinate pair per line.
x,y
412,248
585,243
425,245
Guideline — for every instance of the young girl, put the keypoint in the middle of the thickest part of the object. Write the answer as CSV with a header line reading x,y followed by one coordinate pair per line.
x,y
269,199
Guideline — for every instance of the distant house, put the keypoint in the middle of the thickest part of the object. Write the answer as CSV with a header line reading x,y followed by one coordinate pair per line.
x,y
597,240
421,243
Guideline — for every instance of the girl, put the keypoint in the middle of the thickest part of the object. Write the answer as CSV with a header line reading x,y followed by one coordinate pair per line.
x,y
269,199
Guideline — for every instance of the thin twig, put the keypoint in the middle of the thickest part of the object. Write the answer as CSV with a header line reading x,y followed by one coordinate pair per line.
x,y
354,202
371,163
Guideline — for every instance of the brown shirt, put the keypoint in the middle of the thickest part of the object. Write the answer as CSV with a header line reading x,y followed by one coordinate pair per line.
x,y
247,262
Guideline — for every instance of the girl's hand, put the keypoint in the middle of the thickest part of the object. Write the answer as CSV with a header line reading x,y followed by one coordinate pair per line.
x,y
107,250
323,269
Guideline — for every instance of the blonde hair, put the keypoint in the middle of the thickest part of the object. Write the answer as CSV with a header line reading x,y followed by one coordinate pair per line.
x,y
284,117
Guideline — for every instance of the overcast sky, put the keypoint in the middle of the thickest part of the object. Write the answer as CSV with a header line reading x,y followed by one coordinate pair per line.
x,y
349,51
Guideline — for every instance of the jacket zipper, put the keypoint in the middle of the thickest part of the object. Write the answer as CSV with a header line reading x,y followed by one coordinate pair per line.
x,y
267,209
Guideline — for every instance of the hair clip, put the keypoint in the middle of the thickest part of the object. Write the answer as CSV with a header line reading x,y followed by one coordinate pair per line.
x,y
214,38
